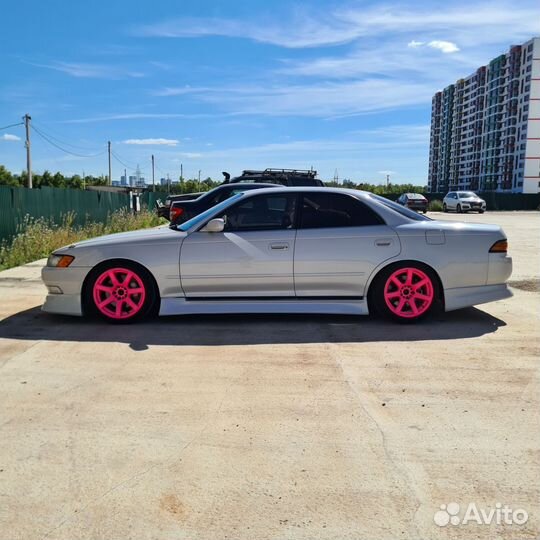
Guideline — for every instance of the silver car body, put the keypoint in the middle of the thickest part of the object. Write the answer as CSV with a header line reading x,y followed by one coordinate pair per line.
x,y
466,200
327,270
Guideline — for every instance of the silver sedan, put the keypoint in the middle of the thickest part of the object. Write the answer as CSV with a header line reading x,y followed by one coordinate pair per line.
x,y
284,250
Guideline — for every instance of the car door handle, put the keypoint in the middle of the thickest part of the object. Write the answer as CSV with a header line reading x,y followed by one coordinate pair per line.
x,y
382,242
281,246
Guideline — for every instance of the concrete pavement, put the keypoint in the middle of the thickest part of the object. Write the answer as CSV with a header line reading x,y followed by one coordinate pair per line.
x,y
270,427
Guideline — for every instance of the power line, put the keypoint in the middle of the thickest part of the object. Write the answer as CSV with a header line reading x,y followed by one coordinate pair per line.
x,y
64,143
43,136
122,162
12,125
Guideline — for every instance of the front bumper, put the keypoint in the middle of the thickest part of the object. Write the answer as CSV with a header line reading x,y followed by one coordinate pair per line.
x,y
473,206
64,286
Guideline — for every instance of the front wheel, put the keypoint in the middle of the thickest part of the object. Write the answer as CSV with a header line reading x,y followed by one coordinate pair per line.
x,y
121,293
481,211
458,209
444,208
406,293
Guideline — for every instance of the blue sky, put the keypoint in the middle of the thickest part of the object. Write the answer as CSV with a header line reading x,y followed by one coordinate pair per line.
x,y
231,85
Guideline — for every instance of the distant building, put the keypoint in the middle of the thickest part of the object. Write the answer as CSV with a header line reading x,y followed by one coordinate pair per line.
x,y
123,181
485,129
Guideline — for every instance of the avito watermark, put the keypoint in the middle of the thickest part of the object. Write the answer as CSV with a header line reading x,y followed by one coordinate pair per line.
x,y
453,514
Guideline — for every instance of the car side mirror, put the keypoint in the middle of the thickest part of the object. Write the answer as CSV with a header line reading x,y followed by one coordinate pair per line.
x,y
214,225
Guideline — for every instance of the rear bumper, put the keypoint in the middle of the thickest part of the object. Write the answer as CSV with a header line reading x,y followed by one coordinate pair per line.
x,y
472,296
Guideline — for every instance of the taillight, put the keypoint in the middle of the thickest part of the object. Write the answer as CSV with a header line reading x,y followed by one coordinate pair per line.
x,y
175,213
501,246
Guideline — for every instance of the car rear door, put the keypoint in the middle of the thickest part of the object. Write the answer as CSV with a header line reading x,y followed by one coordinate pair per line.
x,y
340,241
252,257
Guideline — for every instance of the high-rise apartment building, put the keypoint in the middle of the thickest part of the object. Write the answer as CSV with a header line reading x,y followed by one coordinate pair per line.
x,y
485,129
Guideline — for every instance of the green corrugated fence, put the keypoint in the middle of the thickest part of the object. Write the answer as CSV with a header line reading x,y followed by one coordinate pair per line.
x,y
53,204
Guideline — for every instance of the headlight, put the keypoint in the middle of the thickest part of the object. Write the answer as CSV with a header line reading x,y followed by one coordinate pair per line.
x,y
60,261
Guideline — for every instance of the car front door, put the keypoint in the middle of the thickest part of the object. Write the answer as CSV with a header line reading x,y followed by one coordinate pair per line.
x,y
252,257
451,201
340,241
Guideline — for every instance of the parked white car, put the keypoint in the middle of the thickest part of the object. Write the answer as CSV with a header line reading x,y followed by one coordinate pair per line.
x,y
284,250
463,201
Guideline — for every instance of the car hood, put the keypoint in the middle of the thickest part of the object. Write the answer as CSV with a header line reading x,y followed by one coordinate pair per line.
x,y
471,199
142,236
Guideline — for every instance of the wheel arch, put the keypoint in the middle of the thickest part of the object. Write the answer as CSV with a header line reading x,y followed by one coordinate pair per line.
x,y
396,264
109,263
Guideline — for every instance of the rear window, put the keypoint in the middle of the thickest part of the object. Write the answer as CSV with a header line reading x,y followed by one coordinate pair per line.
x,y
330,210
400,209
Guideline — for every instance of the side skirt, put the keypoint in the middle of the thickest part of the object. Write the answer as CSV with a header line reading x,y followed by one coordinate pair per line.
x,y
336,306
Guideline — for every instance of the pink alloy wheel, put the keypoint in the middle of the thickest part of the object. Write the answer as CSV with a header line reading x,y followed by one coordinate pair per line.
x,y
119,293
408,292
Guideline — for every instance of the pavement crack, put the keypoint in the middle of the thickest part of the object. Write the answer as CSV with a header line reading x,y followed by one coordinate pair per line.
x,y
384,442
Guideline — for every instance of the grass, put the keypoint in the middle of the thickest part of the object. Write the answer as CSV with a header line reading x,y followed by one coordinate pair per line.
x,y
435,206
38,238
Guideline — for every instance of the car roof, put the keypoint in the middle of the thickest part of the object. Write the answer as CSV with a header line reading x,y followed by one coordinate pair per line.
x,y
238,185
312,189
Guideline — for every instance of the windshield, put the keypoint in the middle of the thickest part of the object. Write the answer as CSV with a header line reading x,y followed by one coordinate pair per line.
x,y
400,209
466,194
207,213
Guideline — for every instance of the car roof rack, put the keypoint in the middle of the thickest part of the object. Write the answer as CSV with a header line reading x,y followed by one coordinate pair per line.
x,y
282,172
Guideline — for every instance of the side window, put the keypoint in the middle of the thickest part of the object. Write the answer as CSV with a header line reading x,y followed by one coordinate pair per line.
x,y
324,210
262,213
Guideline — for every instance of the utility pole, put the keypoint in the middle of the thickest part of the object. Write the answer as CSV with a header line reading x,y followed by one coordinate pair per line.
x,y
181,172
387,181
199,182
83,182
27,119
125,177
153,178
110,173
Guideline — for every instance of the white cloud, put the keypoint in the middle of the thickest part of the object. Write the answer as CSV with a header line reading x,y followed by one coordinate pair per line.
x,y
10,137
191,155
444,46
134,116
91,71
477,23
153,142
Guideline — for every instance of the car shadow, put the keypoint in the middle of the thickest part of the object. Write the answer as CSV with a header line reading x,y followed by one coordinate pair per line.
x,y
215,330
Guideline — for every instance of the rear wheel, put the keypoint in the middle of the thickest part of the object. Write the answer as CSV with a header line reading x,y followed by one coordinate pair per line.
x,y
444,208
458,209
405,293
121,293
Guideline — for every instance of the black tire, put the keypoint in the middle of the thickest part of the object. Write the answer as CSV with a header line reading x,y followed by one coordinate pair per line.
x,y
481,211
444,208
150,304
458,209
376,294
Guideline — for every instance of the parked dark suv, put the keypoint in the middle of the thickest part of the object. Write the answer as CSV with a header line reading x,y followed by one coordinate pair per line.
x,y
281,177
285,177
181,211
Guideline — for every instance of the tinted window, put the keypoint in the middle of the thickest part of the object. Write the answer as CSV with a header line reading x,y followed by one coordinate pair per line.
x,y
263,212
402,210
321,210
